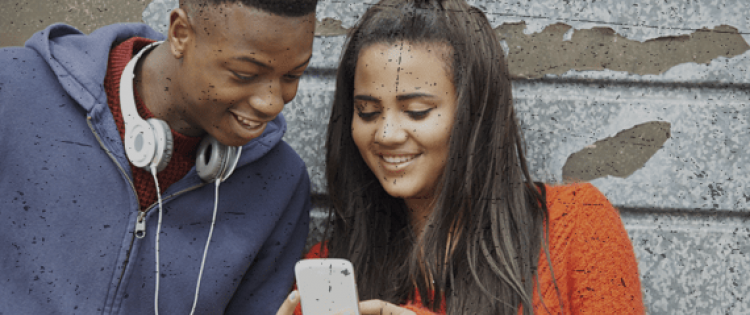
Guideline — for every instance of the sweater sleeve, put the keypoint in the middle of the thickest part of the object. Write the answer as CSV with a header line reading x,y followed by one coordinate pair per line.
x,y
602,270
419,309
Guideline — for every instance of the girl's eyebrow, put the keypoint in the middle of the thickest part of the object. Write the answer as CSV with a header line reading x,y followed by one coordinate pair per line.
x,y
404,97
366,98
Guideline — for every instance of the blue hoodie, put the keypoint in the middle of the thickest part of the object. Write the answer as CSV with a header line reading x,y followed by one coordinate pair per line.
x,y
68,207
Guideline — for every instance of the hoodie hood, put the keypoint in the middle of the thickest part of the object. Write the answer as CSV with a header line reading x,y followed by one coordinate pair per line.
x,y
80,63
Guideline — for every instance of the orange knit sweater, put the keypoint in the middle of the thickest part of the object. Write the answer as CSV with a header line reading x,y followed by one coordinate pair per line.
x,y
591,253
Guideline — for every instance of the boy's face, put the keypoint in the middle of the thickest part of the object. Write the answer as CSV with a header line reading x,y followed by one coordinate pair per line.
x,y
238,68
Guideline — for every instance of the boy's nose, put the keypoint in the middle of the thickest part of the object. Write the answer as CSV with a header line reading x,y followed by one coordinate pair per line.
x,y
268,99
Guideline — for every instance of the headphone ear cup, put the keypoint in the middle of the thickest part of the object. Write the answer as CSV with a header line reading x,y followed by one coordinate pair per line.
x,y
164,143
215,161
210,159
146,142
139,143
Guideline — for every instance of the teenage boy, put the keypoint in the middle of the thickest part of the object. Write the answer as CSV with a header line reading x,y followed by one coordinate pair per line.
x,y
79,214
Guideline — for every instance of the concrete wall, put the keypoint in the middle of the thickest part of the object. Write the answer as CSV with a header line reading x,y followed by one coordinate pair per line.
x,y
648,100
19,19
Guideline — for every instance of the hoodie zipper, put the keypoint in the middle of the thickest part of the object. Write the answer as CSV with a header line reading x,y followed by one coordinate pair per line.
x,y
132,188
140,223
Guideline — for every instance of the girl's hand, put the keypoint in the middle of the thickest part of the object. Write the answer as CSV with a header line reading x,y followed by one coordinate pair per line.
x,y
378,307
290,303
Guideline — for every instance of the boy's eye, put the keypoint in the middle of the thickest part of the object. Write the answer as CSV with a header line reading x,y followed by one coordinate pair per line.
x,y
367,116
292,77
243,77
419,114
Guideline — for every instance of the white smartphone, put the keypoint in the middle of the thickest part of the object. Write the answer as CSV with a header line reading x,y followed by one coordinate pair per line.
x,y
327,286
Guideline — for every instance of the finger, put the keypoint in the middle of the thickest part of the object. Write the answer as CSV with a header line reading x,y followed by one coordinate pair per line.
x,y
346,312
290,303
379,307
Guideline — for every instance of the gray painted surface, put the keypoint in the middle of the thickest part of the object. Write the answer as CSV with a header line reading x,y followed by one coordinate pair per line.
x,y
686,209
691,263
636,19
702,166
157,12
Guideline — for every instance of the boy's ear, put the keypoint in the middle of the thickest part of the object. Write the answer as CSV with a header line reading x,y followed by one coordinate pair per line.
x,y
180,32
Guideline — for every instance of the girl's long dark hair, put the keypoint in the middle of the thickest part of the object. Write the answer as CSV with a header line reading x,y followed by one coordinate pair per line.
x,y
480,247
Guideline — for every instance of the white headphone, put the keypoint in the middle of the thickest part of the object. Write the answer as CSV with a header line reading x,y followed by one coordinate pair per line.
x,y
149,145
149,142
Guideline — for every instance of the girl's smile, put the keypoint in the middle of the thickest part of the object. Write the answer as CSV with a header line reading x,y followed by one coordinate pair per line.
x,y
404,103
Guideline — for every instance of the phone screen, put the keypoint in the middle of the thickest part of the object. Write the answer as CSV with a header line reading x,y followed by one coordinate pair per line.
x,y
327,286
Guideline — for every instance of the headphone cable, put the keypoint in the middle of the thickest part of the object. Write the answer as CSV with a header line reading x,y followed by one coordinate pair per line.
x,y
158,231
208,242
205,250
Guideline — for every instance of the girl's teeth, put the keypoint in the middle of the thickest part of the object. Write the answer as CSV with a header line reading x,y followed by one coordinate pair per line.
x,y
398,159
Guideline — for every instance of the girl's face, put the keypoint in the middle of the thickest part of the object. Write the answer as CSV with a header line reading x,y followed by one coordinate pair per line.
x,y
404,105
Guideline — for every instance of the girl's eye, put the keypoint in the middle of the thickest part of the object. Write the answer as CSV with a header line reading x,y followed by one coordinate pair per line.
x,y
419,114
243,77
292,77
367,116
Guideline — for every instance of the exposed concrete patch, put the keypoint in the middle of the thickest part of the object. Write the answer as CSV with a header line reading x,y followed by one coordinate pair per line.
x,y
535,55
639,20
329,27
620,155
22,18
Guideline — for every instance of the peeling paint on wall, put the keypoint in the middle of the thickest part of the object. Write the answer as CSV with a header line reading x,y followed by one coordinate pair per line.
x,y
329,27
638,20
539,54
618,156
671,41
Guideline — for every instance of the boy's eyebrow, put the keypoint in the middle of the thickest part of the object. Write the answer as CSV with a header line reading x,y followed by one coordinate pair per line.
x,y
304,63
405,97
253,60
265,66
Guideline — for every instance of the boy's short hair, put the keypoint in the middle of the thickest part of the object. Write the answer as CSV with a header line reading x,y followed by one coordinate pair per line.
x,y
287,8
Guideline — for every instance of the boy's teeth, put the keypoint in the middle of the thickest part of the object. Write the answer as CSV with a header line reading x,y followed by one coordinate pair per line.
x,y
398,159
249,123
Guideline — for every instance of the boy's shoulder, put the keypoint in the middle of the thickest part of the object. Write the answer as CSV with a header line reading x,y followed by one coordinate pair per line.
x,y
15,59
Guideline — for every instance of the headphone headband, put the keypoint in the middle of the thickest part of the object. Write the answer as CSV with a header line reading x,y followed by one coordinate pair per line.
x,y
149,142
127,98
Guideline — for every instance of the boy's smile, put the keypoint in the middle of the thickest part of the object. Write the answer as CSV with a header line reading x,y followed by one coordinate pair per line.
x,y
237,67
